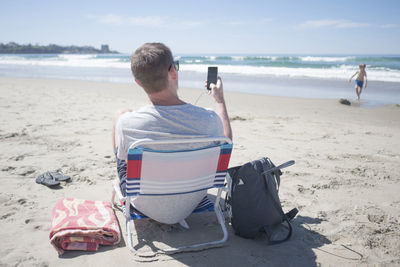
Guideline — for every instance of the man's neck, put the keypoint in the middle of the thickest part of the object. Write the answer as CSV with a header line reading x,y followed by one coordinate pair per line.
x,y
163,102
165,98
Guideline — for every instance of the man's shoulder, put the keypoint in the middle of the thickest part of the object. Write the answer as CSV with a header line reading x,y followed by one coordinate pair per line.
x,y
200,112
150,113
185,108
128,117
197,108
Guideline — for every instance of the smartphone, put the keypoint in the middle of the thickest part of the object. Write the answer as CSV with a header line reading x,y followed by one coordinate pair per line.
x,y
212,76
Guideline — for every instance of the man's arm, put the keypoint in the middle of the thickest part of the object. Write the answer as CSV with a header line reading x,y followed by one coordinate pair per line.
x,y
218,93
353,76
365,86
115,121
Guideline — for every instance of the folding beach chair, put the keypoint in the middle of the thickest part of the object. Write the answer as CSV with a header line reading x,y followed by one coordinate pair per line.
x,y
168,185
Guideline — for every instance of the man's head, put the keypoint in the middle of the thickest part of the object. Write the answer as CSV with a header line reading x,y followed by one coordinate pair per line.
x,y
150,65
362,66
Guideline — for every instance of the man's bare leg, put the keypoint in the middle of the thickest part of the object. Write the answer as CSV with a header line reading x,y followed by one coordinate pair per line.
x,y
358,93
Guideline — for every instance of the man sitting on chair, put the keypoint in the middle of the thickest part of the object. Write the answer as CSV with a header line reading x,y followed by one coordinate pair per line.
x,y
168,116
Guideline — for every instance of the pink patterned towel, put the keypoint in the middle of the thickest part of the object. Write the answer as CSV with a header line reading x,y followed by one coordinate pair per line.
x,y
83,225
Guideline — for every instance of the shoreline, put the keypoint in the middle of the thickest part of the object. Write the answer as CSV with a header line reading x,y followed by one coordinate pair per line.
x,y
381,94
345,182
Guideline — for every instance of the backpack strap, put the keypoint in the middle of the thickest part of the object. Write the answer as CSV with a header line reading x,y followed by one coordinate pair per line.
x,y
286,217
284,165
268,230
292,213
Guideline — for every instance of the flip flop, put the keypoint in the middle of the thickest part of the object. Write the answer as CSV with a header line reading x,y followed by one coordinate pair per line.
x,y
47,180
58,176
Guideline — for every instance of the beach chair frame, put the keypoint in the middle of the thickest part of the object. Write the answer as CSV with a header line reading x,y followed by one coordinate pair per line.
x,y
217,181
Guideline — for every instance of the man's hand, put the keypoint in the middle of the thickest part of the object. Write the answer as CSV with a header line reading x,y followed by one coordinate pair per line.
x,y
217,90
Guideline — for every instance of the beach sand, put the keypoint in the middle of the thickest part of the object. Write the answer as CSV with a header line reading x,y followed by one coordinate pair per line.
x,y
345,182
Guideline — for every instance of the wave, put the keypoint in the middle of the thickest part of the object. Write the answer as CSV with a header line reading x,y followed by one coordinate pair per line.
x,y
342,72
66,61
326,67
326,59
266,60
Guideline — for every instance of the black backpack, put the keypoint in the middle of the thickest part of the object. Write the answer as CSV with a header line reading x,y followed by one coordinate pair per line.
x,y
252,201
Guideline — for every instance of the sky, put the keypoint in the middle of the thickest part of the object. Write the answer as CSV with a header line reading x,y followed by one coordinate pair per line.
x,y
209,27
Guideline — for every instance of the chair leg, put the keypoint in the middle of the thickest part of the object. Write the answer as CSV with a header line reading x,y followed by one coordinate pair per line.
x,y
129,235
113,197
116,191
220,217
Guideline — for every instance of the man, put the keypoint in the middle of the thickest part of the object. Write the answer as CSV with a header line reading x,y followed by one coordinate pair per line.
x,y
168,116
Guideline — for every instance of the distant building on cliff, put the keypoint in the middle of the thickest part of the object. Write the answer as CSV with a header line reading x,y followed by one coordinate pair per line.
x,y
105,48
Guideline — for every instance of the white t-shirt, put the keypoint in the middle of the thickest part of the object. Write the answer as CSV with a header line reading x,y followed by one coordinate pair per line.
x,y
166,122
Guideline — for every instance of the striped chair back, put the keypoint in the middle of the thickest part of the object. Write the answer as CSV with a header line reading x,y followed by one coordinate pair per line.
x,y
167,185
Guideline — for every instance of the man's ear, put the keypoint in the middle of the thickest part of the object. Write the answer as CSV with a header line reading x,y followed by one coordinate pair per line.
x,y
173,73
138,83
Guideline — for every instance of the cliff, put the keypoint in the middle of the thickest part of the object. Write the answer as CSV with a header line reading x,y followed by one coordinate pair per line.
x,y
14,48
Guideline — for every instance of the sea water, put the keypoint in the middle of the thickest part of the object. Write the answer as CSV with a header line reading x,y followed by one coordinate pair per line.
x,y
310,76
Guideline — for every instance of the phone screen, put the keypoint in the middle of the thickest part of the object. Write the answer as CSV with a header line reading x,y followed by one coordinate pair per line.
x,y
212,76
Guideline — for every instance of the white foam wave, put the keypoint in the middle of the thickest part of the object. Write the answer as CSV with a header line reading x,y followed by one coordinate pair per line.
x,y
238,58
75,57
343,72
94,61
66,61
325,59
272,58
244,58
211,58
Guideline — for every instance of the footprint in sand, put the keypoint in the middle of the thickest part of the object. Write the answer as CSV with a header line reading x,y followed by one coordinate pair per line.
x,y
5,216
18,158
8,168
13,135
25,171
237,118
305,190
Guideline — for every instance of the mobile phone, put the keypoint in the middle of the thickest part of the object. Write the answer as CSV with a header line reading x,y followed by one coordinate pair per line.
x,y
212,76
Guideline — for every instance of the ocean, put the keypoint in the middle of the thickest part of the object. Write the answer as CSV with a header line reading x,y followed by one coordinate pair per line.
x,y
310,76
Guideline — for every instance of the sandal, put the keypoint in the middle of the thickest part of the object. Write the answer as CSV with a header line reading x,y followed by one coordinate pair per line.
x,y
47,179
58,176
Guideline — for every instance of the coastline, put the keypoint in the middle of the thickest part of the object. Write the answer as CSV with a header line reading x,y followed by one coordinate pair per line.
x,y
345,181
377,93
304,76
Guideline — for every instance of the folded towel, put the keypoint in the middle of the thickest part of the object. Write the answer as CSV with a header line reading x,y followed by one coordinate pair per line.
x,y
83,225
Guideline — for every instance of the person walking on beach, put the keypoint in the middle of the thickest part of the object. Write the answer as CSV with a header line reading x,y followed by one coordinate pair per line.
x,y
155,70
361,73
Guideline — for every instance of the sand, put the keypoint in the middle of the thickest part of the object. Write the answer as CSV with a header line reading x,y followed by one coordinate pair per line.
x,y
345,182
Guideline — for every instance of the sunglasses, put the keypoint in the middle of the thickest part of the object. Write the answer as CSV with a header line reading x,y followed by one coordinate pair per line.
x,y
175,64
